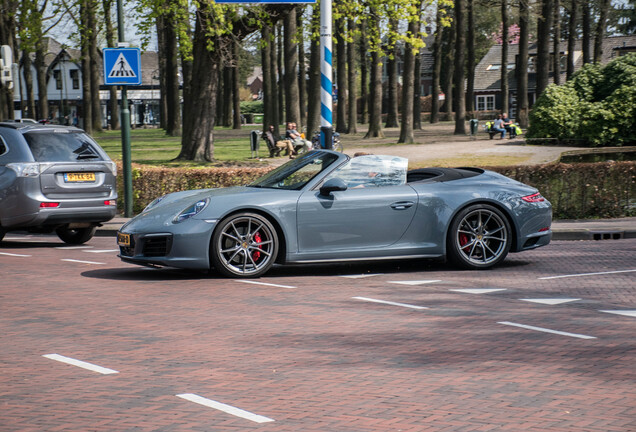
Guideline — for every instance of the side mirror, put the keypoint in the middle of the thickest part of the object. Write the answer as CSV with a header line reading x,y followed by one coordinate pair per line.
x,y
333,185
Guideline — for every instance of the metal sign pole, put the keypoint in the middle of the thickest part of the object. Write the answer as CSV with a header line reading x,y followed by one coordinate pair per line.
x,y
326,76
125,127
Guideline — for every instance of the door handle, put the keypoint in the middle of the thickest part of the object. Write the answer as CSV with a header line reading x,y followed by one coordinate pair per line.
x,y
402,205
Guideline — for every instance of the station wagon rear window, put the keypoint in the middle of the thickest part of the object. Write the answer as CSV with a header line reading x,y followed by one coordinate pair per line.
x,y
62,147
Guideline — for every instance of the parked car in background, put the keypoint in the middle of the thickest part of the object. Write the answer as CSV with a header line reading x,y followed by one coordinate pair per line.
x,y
21,120
54,178
325,206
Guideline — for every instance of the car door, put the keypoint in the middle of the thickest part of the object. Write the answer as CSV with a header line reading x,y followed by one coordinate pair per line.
x,y
356,218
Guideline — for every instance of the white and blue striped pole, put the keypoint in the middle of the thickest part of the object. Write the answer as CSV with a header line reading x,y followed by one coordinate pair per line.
x,y
326,76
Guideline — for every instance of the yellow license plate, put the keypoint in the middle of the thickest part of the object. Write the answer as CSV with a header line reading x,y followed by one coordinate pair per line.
x,y
123,239
79,177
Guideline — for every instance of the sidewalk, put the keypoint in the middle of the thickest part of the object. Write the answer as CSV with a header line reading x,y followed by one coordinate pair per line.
x,y
593,229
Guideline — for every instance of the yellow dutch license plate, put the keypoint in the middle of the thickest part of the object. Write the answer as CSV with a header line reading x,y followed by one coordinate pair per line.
x,y
79,177
123,239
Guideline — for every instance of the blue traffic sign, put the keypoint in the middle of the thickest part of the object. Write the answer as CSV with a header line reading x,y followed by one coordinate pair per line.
x,y
122,66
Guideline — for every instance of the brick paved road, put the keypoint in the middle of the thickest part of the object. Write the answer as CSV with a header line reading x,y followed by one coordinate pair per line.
x,y
316,351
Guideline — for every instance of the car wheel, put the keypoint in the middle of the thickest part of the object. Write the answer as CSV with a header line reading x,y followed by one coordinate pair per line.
x,y
244,245
479,237
75,235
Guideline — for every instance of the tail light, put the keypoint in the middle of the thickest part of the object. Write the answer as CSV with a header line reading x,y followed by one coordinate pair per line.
x,y
49,204
110,202
534,198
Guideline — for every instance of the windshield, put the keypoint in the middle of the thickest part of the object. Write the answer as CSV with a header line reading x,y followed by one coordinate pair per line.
x,y
62,147
298,172
372,171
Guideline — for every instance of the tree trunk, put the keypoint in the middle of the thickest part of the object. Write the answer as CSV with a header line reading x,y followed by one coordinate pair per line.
x,y
292,106
197,142
448,66
110,41
163,72
266,64
87,99
556,43
29,107
437,67
236,97
470,48
279,63
227,97
40,76
351,78
460,45
392,71
364,72
544,26
417,93
313,98
600,30
375,85
186,71
96,109
302,70
522,64
504,56
173,105
8,37
341,76
572,37
587,32
408,84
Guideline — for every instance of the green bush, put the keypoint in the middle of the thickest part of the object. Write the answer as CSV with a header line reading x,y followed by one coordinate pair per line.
x,y
596,108
252,107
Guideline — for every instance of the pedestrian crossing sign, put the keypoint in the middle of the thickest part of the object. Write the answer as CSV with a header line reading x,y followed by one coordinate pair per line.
x,y
122,66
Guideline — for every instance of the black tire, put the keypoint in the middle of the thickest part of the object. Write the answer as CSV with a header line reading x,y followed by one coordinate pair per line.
x,y
75,236
479,237
244,245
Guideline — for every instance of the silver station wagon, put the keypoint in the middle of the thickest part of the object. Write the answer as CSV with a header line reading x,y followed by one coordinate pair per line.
x,y
54,178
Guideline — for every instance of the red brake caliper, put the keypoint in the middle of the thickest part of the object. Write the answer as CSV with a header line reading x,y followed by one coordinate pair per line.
x,y
257,238
463,240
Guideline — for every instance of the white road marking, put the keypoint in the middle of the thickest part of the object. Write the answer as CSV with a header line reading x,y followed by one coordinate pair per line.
x,y
73,247
237,412
629,313
13,255
102,250
82,262
478,290
545,330
390,303
552,301
360,276
82,364
588,274
264,283
417,282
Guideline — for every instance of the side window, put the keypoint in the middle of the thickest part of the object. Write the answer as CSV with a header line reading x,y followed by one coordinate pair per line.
x,y
372,171
3,146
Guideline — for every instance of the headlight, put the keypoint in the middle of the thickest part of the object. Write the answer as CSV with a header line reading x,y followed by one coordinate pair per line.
x,y
194,209
153,203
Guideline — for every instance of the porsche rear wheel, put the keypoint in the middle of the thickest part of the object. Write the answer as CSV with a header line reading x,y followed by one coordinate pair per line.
x,y
244,245
479,237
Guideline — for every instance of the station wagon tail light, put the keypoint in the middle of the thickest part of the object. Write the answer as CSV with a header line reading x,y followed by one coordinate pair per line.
x,y
110,202
537,197
49,204
25,169
194,209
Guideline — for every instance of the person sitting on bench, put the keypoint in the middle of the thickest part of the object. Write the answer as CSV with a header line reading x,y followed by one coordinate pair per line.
x,y
498,126
276,146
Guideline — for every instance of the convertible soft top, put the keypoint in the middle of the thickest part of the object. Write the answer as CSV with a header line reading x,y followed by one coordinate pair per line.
x,y
433,175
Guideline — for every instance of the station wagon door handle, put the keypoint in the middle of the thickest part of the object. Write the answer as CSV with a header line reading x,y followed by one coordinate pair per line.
x,y
402,205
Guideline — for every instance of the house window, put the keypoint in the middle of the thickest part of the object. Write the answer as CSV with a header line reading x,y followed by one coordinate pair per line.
x,y
75,78
531,64
57,76
494,67
486,103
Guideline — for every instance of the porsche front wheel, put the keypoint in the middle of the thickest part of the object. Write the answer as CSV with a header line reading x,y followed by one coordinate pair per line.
x,y
244,245
479,237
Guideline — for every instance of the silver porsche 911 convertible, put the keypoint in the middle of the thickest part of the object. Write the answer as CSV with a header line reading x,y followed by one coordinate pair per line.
x,y
325,206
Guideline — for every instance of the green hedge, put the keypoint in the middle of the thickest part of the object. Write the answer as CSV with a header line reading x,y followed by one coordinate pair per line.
x,y
576,191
